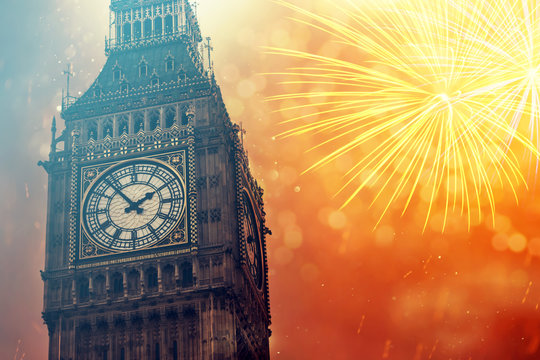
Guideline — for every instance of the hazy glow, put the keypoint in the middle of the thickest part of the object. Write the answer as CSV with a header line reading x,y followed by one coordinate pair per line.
x,y
338,290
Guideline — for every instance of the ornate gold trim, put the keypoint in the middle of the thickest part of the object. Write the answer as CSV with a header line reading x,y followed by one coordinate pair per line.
x,y
86,184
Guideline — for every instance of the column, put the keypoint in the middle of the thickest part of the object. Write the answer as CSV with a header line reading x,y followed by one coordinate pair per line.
x,y
160,285
115,131
146,120
91,287
107,284
74,291
124,282
177,275
141,272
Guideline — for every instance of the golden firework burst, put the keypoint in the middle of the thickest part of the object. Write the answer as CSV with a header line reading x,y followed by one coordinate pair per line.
x,y
433,94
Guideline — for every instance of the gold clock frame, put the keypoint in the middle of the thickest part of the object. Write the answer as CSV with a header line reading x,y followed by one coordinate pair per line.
x,y
177,162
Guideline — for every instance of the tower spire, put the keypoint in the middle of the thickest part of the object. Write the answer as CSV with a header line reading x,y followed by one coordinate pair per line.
x,y
53,135
210,48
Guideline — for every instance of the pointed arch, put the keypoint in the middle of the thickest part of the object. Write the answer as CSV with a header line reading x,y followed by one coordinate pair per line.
x,y
154,119
133,282
99,287
117,281
170,116
151,279
107,128
168,277
138,121
122,124
137,30
91,131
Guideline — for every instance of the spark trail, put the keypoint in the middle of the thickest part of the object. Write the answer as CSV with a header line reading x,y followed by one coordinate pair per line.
x,y
434,94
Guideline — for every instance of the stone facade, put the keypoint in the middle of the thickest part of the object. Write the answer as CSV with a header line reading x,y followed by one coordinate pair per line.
x,y
201,292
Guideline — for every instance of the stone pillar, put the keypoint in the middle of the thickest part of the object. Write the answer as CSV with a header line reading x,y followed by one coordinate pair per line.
x,y
124,282
74,291
177,275
91,287
159,279
141,272
146,119
108,284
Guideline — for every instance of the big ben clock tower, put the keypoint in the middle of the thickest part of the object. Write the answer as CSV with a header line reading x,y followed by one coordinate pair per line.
x,y
156,236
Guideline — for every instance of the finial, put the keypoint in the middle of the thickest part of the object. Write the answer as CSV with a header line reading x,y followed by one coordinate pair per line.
x,y
209,47
53,137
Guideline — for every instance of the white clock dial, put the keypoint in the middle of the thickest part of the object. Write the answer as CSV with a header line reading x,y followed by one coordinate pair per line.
x,y
133,205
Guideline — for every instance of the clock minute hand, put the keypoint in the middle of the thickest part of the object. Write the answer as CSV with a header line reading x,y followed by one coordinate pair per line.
x,y
131,203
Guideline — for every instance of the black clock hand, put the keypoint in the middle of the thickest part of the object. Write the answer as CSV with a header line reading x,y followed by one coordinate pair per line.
x,y
131,203
135,206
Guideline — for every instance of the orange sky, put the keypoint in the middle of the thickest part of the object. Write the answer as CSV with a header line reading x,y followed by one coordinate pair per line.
x,y
339,289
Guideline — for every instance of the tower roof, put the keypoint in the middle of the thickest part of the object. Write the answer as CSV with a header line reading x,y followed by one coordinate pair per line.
x,y
154,47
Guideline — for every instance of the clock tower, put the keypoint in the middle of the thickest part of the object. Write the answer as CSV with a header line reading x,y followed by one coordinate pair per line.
x,y
156,236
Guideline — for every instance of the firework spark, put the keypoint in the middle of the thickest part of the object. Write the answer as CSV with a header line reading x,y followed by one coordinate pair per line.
x,y
429,94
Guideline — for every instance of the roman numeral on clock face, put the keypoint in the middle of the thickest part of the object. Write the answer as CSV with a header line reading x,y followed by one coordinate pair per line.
x,y
163,216
133,173
166,201
105,225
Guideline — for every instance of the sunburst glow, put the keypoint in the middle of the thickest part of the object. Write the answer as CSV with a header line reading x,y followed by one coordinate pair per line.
x,y
427,98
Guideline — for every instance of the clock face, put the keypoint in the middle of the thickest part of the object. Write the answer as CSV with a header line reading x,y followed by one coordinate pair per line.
x,y
133,205
252,242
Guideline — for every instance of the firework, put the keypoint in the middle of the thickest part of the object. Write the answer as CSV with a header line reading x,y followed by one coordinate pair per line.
x,y
429,92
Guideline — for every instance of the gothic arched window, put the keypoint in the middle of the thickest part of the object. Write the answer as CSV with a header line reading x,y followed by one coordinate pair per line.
x,y
158,26
138,121
97,91
99,287
107,128
153,116
123,125
154,81
124,87
143,69
168,24
83,290
55,291
117,74
127,32
170,117
118,33
151,279
134,279
147,26
66,292
91,131
182,74
117,285
169,64
137,30
168,277
187,275
185,117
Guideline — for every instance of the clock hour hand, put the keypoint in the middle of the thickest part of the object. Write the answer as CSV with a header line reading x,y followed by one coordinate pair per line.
x,y
135,206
